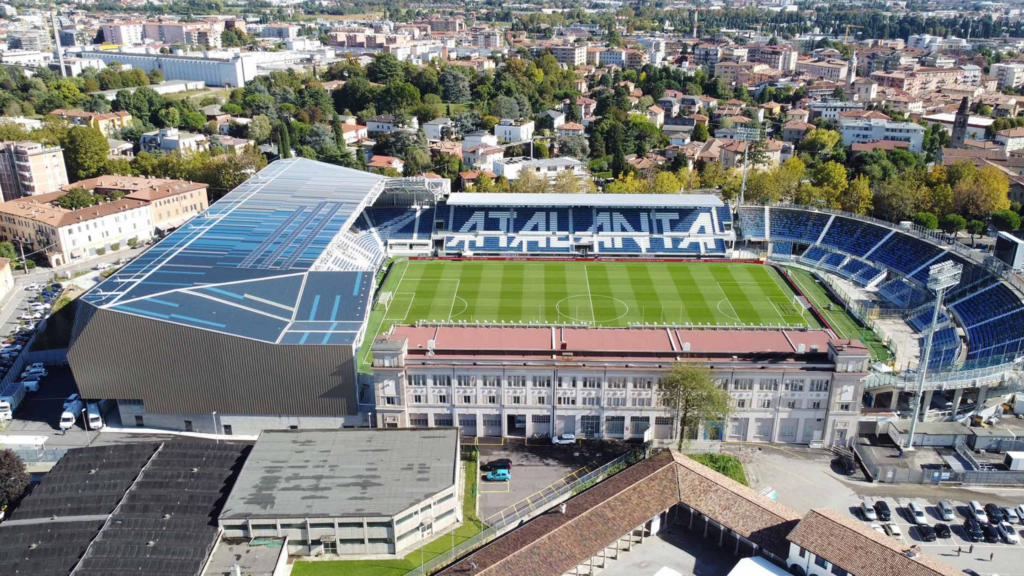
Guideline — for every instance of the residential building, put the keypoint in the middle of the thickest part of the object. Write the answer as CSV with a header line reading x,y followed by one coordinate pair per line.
x,y
655,48
514,130
731,155
281,31
63,236
1008,74
383,162
173,140
1012,139
795,130
832,70
110,123
171,202
971,74
635,59
123,33
548,168
439,129
830,109
30,168
571,56
812,397
707,55
482,156
777,57
975,129
570,129
489,40
385,124
875,129
656,115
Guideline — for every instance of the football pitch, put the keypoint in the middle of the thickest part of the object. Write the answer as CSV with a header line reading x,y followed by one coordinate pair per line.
x,y
611,294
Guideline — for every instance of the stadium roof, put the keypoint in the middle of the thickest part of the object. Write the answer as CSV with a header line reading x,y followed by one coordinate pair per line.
x,y
271,261
596,200
347,472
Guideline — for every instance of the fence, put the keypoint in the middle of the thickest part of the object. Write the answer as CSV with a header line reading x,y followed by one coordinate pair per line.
x,y
536,504
34,455
979,476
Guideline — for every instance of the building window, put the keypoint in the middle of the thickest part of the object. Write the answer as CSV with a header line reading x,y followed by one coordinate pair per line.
x,y
330,546
517,381
741,403
418,421
819,561
766,403
139,422
591,401
639,424
467,399
743,384
615,425
542,382
227,429
844,407
819,385
566,400
188,426
791,404
442,380
838,571
417,398
442,420
771,384
816,405
417,379
540,419
662,420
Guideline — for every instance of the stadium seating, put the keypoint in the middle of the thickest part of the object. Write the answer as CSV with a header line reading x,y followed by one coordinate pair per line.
x,y
904,254
782,250
813,256
663,245
796,225
853,237
751,219
897,292
922,320
945,348
724,214
832,261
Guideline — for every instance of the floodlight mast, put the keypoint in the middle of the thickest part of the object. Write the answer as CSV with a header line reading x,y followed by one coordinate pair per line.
x,y
940,277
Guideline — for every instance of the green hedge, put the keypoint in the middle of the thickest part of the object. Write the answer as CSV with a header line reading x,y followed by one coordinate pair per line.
x,y
725,464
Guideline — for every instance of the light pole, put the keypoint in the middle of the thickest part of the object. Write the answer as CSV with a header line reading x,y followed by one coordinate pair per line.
x,y
216,429
85,423
746,135
940,277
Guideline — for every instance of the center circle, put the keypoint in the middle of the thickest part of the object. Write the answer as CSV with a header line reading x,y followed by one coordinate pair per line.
x,y
579,306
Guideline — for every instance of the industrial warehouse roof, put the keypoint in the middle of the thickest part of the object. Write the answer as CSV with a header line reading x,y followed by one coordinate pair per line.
x,y
348,472
257,263
597,200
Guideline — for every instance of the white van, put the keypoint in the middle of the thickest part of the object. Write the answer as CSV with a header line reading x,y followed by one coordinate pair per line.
x,y
978,511
30,384
95,419
917,513
70,415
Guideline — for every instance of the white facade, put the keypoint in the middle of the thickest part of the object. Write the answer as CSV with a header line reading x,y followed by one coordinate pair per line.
x,y
1008,74
124,33
512,131
875,129
233,71
172,140
548,168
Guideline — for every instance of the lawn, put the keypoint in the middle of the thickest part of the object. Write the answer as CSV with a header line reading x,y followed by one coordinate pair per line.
x,y
611,294
470,527
844,325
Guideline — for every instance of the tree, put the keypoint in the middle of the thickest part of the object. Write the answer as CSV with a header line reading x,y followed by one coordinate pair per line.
x,y
454,86
259,129
85,152
566,182
926,220
76,199
13,477
897,198
700,133
974,228
830,177
857,197
385,68
1006,220
627,184
666,183
284,143
977,192
694,398
529,182
952,223
574,147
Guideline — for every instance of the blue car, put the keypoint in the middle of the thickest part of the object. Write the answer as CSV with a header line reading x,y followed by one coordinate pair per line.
x,y
499,475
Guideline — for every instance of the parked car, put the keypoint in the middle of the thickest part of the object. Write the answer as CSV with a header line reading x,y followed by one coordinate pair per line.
x,y
1010,515
892,529
501,475
1020,511
973,530
943,531
849,467
927,533
970,572
978,511
500,464
991,533
916,513
946,510
878,528
994,513
564,439
883,510
1007,534
867,511
101,266
36,373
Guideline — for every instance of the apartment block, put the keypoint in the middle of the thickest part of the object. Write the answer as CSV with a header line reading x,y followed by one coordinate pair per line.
x,y
867,130
124,33
570,55
30,168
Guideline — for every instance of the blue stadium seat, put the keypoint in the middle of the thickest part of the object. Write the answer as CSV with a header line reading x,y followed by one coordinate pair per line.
x,y
832,261
796,225
782,250
853,236
904,253
751,221
813,255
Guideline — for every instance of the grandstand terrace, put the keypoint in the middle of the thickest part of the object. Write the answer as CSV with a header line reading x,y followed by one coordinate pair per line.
x,y
980,334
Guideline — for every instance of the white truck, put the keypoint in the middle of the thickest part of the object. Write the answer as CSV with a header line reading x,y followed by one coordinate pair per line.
x,y
70,415
11,398
95,418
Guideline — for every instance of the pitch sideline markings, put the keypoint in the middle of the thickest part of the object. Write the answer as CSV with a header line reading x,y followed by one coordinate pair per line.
x,y
788,290
590,296
735,315
454,296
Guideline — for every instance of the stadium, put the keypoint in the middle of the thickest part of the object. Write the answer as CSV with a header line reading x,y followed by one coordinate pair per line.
x,y
316,296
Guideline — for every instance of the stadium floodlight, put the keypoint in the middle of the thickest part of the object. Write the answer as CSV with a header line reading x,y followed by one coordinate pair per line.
x,y
746,135
940,277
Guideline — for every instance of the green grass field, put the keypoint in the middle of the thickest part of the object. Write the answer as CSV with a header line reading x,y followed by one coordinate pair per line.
x,y
592,293
844,325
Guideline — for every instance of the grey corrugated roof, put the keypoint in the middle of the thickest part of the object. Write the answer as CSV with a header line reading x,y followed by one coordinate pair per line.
x,y
338,473
597,200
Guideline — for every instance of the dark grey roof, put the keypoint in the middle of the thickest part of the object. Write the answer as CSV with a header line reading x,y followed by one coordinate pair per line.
x,y
348,472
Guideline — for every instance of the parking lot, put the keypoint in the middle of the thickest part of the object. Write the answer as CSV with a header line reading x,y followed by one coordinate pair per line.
x,y
535,466
986,558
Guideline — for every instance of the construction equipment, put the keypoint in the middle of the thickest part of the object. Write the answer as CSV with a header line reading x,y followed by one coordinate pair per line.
x,y
846,39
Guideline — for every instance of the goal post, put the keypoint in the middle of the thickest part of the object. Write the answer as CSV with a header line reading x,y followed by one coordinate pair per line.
x,y
385,299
